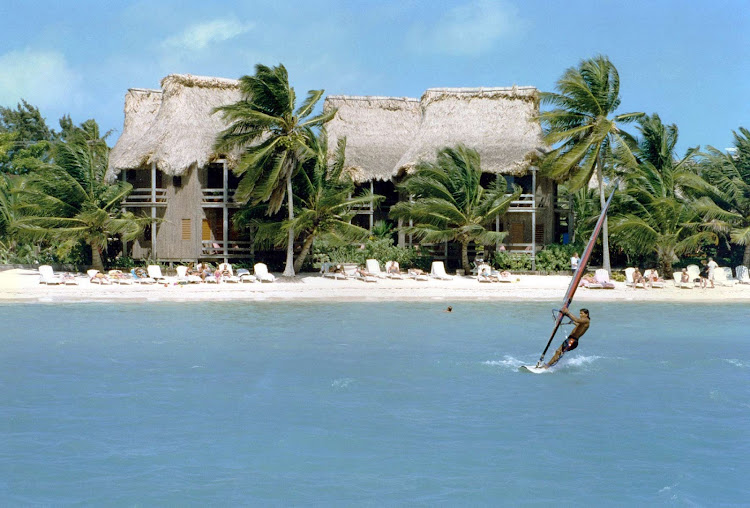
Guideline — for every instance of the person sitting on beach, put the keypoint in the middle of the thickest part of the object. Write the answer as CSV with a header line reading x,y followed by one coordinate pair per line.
x,y
394,268
202,270
685,277
638,278
652,276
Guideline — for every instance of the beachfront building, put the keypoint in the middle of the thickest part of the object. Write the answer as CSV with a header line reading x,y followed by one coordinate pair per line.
x,y
166,153
387,136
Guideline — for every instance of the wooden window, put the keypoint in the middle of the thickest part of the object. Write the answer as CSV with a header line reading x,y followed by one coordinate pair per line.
x,y
206,230
186,229
516,232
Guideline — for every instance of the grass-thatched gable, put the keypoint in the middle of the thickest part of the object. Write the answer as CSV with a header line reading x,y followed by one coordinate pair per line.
x,y
378,131
183,131
497,122
141,108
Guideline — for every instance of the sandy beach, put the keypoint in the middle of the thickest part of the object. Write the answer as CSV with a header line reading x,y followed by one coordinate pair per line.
x,y
21,285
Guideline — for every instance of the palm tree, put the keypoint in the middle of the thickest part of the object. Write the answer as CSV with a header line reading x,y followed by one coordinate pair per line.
x,y
585,128
274,138
324,207
730,174
659,209
450,203
68,200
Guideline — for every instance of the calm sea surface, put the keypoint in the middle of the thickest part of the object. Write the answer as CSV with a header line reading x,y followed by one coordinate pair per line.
x,y
372,404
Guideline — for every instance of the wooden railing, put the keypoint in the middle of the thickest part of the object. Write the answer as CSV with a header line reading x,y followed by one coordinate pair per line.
x,y
235,248
143,197
217,195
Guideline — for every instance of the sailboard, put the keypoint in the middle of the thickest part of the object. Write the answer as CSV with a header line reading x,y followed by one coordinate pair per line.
x,y
539,367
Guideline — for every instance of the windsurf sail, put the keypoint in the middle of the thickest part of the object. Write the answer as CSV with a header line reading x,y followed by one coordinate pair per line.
x,y
578,274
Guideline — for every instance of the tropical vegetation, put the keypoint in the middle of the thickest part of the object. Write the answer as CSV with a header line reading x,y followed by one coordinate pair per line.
x,y
450,204
275,139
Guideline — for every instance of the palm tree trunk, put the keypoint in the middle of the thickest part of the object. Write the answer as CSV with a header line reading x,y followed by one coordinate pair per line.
x,y
96,259
303,253
605,229
465,257
289,267
746,256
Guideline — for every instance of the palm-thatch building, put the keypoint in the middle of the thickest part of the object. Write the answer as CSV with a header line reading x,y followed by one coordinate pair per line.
x,y
166,153
387,137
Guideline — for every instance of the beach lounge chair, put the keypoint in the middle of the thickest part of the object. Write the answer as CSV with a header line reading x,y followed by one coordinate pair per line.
x,y
601,276
154,271
95,277
653,279
141,277
438,271
47,276
695,274
373,267
227,274
245,276
417,274
69,279
261,273
392,270
629,278
353,271
182,276
484,273
678,281
743,274
117,277
720,277
332,271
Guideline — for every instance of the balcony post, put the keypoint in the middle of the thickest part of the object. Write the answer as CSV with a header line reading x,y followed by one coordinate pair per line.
x,y
372,207
153,210
533,218
225,212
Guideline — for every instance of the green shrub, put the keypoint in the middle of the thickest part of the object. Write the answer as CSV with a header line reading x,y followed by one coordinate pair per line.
x,y
381,249
512,261
555,257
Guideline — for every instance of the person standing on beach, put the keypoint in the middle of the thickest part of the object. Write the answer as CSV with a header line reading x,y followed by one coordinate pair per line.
x,y
574,261
571,342
712,266
704,275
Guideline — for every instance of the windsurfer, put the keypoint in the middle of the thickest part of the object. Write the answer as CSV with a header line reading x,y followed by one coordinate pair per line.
x,y
571,342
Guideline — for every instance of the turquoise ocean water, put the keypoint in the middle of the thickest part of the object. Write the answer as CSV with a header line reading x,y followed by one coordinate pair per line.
x,y
371,404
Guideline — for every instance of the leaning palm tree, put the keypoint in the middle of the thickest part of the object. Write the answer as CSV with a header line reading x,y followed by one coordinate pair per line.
x,y
730,174
584,128
659,210
274,138
68,201
325,204
450,204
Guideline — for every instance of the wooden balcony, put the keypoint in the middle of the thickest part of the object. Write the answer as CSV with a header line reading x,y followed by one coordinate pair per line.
x,y
235,249
214,198
146,197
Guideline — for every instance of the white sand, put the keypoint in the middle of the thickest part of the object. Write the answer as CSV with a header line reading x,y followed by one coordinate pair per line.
x,y
23,286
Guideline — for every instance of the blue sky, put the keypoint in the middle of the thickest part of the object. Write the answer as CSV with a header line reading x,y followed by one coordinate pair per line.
x,y
686,60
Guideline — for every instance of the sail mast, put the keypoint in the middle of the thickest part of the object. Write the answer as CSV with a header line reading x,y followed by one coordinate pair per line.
x,y
579,272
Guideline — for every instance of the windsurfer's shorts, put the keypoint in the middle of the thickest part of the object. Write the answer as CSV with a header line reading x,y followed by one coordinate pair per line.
x,y
567,346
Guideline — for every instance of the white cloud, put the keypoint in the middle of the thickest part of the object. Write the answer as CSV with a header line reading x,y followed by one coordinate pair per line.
x,y
469,29
43,78
202,35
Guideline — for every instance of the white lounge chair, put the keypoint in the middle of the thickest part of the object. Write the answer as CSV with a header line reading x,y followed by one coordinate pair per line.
x,y
69,279
117,277
720,277
227,274
332,271
678,281
437,271
373,267
629,278
695,274
261,273
154,271
140,276
417,274
601,276
352,271
484,273
658,283
47,276
743,274
392,270
94,278
182,276
245,276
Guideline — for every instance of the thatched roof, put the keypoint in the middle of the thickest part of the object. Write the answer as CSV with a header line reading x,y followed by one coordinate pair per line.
x,y
497,122
141,107
378,131
184,130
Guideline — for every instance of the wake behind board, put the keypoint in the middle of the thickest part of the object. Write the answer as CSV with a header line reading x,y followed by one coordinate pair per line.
x,y
532,368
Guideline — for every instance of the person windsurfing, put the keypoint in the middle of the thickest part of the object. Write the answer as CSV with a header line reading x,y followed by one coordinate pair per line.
x,y
571,342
